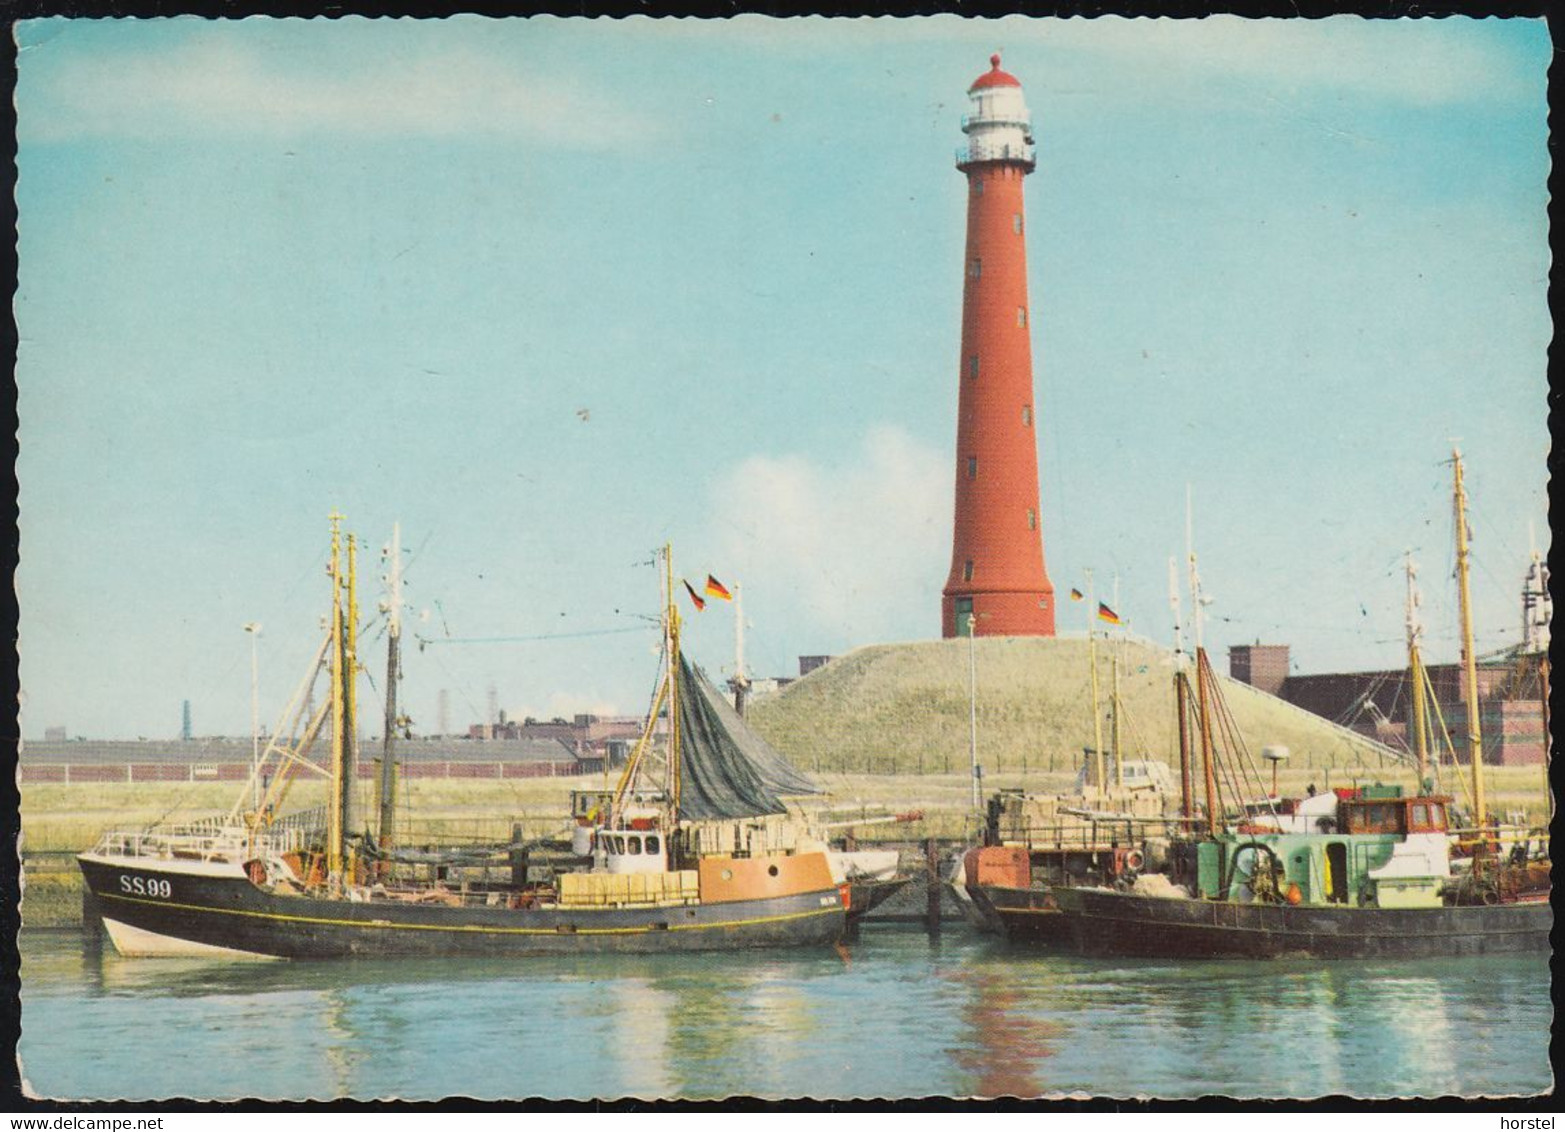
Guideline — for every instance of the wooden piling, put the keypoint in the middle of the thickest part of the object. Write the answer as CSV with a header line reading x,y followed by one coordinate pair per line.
x,y
932,887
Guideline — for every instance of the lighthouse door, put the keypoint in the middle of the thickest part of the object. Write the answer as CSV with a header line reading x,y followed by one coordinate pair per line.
x,y
964,617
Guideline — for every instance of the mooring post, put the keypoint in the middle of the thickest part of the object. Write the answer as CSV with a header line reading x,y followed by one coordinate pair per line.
x,y
932,887
518,857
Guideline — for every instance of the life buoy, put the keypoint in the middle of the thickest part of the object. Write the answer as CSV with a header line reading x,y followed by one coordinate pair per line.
x,y
1134,860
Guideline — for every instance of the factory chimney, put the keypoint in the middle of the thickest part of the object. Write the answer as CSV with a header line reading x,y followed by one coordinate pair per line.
x,y
997,585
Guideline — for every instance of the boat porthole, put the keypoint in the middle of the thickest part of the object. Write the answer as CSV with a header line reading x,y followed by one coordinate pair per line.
x,y
691,912
771,870
728,874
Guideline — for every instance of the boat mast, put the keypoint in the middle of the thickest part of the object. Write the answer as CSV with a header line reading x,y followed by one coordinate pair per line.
x,y
1202,671
741,682
1543,694
388,773
334,810
671,647
1099,777
1469,660
642,772
1202,678
1181,695
1119,766
1537,612
350,705
1415,673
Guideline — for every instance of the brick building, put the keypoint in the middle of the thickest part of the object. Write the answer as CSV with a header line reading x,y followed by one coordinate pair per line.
x,y
1377,703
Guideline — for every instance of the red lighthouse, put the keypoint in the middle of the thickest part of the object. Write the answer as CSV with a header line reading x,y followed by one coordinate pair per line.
x,y
997,585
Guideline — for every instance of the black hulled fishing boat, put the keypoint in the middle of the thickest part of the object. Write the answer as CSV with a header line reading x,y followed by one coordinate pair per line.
x,y
1356,873
681,860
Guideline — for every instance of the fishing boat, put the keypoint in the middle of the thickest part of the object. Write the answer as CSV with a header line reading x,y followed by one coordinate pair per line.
x,y
1034,844
1356,873
681,860
869,876
1364,873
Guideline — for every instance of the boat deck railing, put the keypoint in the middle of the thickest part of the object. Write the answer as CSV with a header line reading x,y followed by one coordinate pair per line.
x,y
216,838
1075,837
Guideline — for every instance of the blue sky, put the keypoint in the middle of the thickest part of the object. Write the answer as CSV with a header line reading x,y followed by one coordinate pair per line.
x,y
551,292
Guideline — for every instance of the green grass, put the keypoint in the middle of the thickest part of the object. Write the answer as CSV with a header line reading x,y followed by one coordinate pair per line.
x,y
899,709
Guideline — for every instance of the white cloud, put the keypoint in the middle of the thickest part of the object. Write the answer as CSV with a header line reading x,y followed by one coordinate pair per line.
x,y
851,551
1416,61
214,84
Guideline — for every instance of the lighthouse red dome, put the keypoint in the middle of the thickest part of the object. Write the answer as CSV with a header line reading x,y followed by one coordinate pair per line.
x,y
994,76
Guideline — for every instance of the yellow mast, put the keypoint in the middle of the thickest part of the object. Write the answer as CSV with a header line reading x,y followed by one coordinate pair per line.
x,y
1119,764
673,684
1543,695
334,810
1202,676
1469,660
350,677
1420,715
667,692
1415,671
1099,777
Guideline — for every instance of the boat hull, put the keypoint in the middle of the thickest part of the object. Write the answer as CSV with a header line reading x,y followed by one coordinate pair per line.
x,y
1102,922
170,910
1022,915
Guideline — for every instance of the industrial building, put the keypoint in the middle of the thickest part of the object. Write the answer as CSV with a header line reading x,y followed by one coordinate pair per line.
x,y
1376,703
1512,686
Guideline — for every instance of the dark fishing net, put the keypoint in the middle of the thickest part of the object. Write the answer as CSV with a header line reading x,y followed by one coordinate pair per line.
x,y
727,770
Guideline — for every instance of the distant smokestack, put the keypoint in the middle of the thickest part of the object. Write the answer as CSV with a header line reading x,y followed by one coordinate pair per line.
x,y
184,727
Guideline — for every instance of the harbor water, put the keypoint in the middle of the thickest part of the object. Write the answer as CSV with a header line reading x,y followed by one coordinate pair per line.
x,y
892,1015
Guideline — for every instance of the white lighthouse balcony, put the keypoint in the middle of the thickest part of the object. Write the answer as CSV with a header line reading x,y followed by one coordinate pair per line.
x,y
984,149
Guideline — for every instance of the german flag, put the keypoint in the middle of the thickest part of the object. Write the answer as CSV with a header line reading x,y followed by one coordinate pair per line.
x,y
716,589
695,598
1076,595
1107,614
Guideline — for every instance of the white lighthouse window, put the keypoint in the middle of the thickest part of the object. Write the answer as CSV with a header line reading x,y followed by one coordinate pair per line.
x,y
976,268
1021,316
1032,519
1016,223
972,467
972,366
978,188
1026,414
967,570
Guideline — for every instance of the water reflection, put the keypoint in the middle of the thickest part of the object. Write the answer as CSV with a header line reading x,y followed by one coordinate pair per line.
x,y
1007,1036
897,1018
1418,1016
639,1035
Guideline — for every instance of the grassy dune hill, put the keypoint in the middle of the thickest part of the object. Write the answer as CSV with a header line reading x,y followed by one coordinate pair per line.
x,y
904,709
